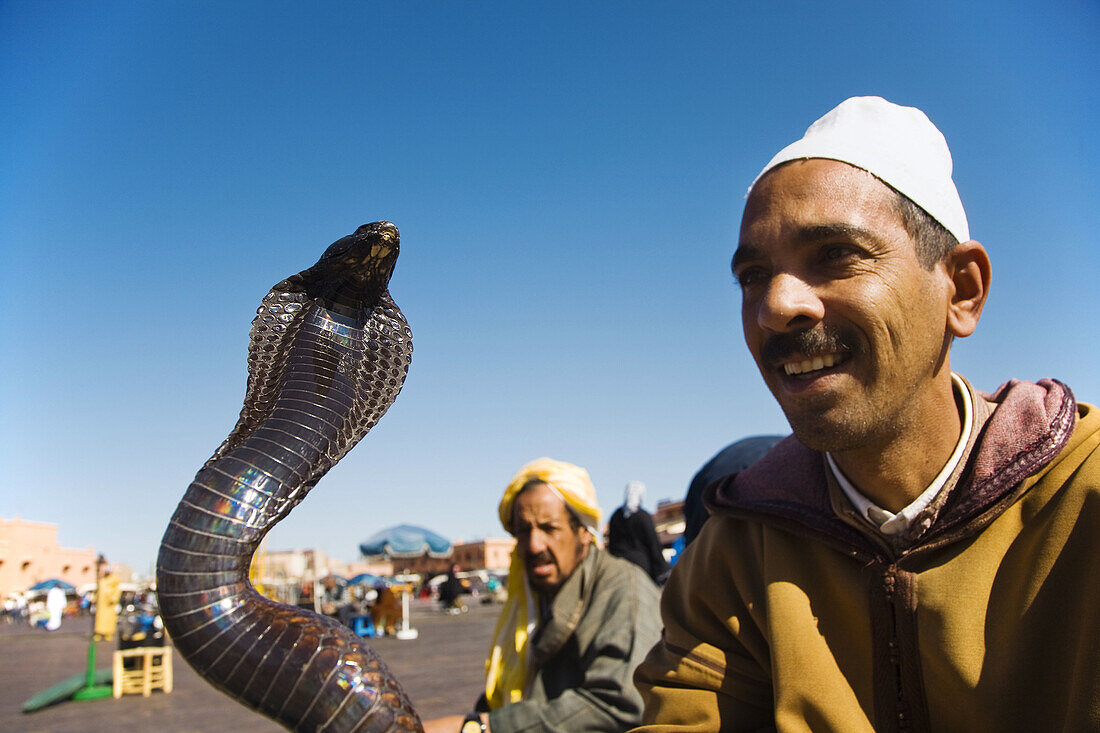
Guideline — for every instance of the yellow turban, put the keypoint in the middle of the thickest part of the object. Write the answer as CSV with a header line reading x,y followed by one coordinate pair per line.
x,y
507,667
569,482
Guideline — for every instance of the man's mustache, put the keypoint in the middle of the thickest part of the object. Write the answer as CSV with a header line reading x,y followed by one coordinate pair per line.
x,y
816,341
539,559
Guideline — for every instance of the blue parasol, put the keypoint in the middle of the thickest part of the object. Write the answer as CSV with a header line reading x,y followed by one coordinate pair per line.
x,y
366,579
406,540
53,583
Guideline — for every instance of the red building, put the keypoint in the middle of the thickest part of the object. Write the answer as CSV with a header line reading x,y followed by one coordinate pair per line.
x,y
29,554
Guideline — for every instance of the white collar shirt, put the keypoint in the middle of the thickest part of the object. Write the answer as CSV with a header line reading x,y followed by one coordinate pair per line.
x,y
887,522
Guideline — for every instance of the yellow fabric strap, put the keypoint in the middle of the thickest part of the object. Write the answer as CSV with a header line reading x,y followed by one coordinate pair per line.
x,y
506,667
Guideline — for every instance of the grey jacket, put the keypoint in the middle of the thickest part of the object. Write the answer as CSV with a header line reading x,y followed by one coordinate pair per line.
x,y
602,623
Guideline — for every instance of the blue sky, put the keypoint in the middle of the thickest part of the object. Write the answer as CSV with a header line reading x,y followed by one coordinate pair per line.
x,y
568,180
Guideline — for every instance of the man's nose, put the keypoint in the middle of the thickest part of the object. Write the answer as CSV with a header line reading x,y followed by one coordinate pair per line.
x,y
536,543
789,304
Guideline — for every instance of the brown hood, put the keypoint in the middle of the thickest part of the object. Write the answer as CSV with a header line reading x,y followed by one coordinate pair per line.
x,y
1030,425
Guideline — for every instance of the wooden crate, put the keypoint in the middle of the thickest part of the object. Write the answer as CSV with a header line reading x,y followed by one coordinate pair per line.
x,y
153,670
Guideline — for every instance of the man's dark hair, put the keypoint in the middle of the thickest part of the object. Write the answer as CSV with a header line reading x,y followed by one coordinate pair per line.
x,y
932,239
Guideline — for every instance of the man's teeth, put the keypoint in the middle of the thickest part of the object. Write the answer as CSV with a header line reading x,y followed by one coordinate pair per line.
x,y
811,365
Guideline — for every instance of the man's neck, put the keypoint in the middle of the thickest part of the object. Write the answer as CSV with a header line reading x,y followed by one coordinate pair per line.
x,y
892,474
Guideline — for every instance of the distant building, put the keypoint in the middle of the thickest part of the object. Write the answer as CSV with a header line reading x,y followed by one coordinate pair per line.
x,y
374,567
668,520
283,574
491,553
423,565
297,565
29,554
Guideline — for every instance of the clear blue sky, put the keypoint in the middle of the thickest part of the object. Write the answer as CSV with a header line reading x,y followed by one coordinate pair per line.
x,y
568,180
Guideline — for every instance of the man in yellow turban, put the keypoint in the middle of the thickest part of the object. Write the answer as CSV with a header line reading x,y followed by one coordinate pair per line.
x,y
577,621
106,599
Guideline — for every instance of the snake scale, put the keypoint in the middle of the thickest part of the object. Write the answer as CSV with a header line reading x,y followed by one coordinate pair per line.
x,y
328,353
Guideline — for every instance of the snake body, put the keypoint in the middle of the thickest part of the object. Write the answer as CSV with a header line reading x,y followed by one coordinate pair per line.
x,y
328,353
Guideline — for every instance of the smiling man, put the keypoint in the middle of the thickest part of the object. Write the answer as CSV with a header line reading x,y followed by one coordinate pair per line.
x,y
577,622
919,555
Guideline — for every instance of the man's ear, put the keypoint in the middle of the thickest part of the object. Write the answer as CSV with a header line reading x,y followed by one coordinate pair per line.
x,y
969,271
588,537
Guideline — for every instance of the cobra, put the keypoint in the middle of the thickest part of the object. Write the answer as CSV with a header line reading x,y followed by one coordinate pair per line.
x,y
328,353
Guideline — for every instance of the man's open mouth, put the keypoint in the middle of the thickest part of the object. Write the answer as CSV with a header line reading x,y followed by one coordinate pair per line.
x,y
813,364
540,566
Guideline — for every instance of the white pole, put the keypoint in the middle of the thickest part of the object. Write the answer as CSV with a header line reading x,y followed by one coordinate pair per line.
x,y
405,632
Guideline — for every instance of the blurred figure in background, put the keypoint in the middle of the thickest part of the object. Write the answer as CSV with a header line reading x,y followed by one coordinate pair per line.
x,y
106,600
730,461
55,606
386,612
632,536
450,592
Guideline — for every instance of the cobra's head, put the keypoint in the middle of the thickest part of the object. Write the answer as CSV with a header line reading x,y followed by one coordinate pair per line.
x,y
366,257
355,270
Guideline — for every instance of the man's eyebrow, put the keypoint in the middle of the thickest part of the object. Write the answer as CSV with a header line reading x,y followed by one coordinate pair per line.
x,y
745,252
834,230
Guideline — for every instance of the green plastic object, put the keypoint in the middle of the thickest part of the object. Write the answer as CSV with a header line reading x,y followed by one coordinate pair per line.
x,y
90,690
65,690
91,684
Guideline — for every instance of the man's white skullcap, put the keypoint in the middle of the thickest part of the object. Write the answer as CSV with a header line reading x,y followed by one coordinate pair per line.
x,y
899,145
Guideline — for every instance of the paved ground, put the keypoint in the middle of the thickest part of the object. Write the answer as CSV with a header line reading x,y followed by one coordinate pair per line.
x,y
442,671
